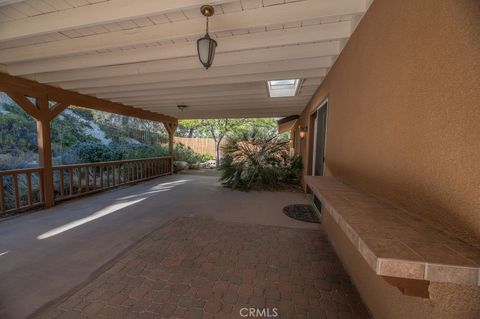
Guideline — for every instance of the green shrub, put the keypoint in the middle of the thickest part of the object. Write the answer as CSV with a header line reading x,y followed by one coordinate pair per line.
x,y
186,154
206,157
131,151
90,152
18,160
255,161
18,131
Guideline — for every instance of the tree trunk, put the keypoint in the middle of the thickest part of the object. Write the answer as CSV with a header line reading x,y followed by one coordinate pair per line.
x,y
217,151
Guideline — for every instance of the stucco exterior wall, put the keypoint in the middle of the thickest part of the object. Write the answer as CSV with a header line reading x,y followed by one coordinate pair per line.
x,y
404,110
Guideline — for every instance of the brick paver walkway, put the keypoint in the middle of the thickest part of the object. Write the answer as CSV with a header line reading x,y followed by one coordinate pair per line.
x,y
201,268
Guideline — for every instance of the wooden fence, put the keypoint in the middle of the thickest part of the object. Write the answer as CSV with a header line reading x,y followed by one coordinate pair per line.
x,y
201,145
24,188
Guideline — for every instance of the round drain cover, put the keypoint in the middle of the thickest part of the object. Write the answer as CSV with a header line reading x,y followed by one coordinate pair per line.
x,y
305,213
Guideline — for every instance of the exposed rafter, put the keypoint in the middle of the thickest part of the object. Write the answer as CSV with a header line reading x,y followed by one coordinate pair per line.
x,y
272,15
239,113
8,2
99,13
188,98
205,90
300,74
315,33
310,50
230,104
202,74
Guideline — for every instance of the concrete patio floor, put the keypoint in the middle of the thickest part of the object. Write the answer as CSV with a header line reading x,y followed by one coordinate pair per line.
x,y
49,253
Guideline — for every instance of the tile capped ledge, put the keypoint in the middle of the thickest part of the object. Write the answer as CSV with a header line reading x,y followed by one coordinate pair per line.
x,y
404,249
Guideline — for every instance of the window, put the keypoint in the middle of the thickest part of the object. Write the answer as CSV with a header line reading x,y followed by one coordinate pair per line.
x,y
283,88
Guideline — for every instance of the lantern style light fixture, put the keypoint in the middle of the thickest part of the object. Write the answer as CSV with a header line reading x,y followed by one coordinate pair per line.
x,y
206,46
303,132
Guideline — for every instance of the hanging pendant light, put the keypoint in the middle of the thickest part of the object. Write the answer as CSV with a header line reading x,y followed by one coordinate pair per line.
x,y
206,46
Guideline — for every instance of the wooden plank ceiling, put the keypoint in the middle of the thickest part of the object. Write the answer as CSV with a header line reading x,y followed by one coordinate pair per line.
x,y
142,53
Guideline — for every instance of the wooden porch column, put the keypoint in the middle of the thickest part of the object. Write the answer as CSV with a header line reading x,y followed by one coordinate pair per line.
x,y
45,144
171,128
43,116
170,144
45,160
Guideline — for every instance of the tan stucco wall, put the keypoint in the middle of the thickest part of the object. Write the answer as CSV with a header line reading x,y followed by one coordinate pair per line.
x,y
404,110
385,301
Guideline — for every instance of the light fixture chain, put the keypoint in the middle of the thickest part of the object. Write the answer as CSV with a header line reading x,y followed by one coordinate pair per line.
x,y
207,24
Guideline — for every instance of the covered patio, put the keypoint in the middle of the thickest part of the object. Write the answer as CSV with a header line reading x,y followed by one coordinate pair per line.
x,y
381,102
203,245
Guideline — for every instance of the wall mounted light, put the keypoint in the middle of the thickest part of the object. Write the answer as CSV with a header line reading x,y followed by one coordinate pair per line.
x,y
303,132
206,46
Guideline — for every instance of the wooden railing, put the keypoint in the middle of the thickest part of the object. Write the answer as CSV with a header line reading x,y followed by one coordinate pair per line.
x,y
23,189
81,179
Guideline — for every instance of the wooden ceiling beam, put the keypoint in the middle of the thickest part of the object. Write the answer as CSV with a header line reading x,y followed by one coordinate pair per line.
x,y
153,95
213,90
94,14
205,89
302,51
16,85
230,104
299,74
238,113
245,19
227,105
282,37
9,2
201,74
185,99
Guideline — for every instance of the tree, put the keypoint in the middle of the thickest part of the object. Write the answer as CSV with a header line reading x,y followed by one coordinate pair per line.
x,y
189,128
219,129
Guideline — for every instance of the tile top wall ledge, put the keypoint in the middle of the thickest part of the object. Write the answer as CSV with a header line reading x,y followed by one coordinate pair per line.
x,y
394,242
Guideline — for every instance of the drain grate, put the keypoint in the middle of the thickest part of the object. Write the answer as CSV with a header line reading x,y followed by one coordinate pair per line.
x,y
305,213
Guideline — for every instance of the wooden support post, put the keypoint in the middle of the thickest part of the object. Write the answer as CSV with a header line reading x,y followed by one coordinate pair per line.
x,y
171,128
170,144
170,150
45,159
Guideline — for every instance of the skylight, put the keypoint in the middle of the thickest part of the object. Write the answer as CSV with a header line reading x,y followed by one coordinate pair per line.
x,y
283,88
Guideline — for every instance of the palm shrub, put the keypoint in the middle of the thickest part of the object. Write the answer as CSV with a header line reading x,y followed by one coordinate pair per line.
x,y
256,161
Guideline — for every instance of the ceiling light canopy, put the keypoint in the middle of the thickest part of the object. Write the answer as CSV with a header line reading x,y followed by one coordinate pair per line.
x,y
206,46
283,88
182,107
